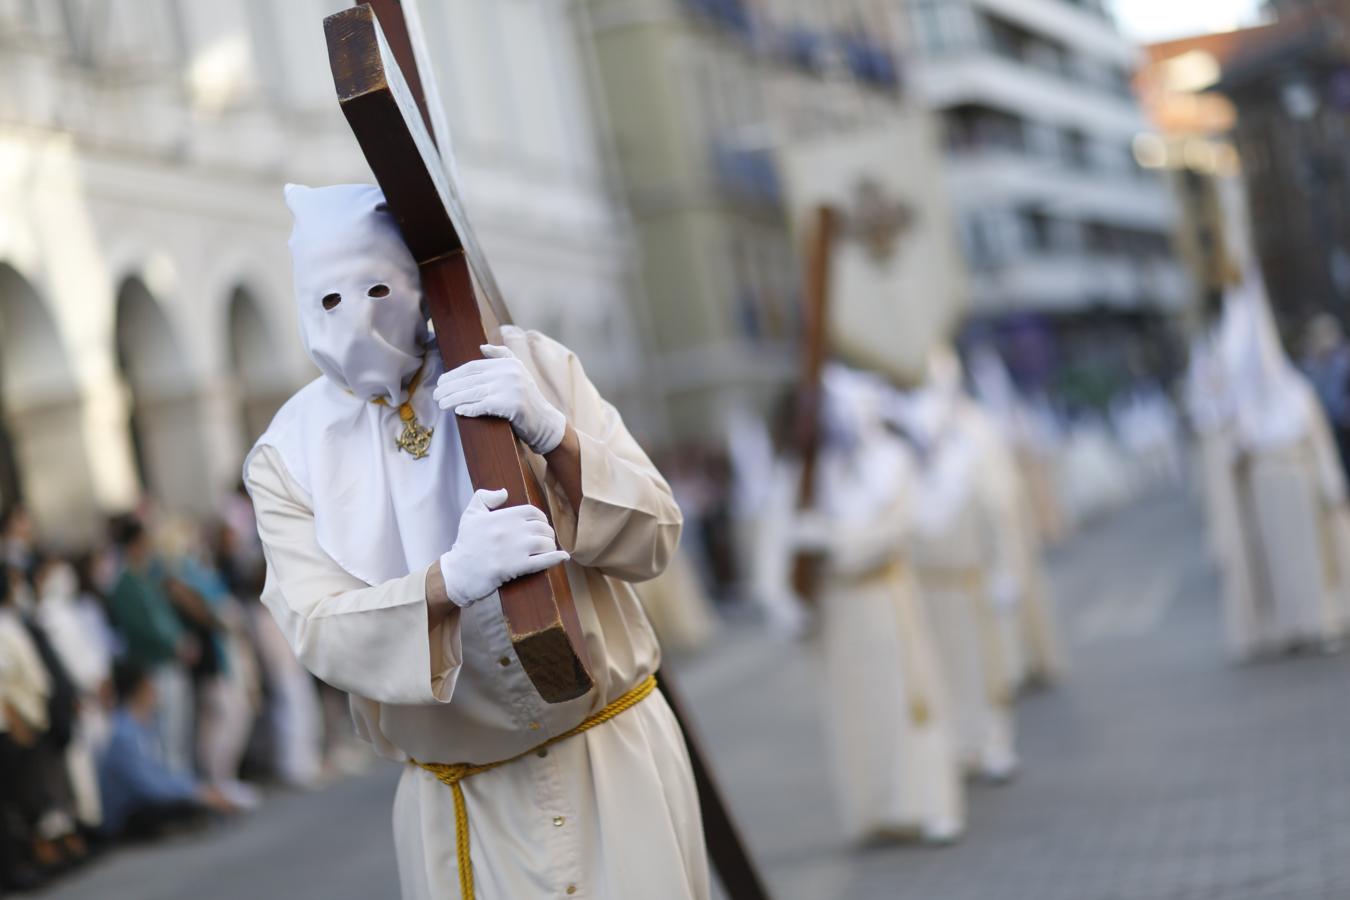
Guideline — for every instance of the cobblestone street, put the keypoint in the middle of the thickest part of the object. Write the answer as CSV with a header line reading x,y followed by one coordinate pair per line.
x,y
1157,772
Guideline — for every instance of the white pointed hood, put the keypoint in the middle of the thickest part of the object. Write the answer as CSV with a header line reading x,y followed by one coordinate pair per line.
x,y
357,290
863,465
935,417
378,512
1209,401
1271,402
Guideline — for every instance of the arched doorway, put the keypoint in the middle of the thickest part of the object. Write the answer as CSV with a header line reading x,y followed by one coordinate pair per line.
x,y
260,378
165,421
43,460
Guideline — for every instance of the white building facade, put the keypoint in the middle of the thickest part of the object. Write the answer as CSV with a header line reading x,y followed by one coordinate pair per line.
x,y
1060,225
146,323
702,97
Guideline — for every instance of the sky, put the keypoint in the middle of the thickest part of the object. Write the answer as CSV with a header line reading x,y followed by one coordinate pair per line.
x,y
1157,20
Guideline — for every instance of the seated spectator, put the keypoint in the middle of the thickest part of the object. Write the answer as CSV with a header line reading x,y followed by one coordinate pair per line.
x,y
142,797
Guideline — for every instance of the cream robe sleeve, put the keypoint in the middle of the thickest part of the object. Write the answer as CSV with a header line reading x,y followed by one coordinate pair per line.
x,y
629,524
372,641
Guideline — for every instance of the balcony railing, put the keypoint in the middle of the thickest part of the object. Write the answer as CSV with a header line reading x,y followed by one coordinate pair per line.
x,y
869,60
1060,279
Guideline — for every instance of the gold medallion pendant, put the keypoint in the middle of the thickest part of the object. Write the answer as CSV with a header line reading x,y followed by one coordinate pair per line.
x,y
415,438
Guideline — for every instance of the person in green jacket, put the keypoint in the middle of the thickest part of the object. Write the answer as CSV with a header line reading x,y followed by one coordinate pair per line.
x,y
155,637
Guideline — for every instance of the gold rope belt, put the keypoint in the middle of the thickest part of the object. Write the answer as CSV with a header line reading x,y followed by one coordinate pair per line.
x,y
452,774
920,706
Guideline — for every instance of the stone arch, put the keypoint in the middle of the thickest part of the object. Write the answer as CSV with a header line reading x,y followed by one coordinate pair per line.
x,y
257,363
168,442
43,458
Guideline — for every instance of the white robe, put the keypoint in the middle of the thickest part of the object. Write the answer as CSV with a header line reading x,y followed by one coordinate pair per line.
x,y
1289,488
610,813
76,632
1231,545
1295,535
1032,633
955,577
889,717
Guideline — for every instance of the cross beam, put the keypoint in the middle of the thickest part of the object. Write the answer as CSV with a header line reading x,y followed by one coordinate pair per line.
x,y
394,128
824,228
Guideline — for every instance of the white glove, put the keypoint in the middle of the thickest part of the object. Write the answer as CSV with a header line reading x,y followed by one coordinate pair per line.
x,y
501,386
496,545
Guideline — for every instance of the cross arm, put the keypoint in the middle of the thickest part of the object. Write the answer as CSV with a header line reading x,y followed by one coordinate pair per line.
x,y
539,609
386,118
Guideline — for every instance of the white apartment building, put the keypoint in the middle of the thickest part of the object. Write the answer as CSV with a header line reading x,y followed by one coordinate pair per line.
x,y
1065,235
146,322
702,97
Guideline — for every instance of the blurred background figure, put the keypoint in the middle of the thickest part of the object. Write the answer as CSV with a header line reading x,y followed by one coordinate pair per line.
x,y
79,633
1289,486
888,718
967,570
1210,405
224,677
25,690
142,796
1326,362
1031,434
156,639
295,711
1146,424
1033,639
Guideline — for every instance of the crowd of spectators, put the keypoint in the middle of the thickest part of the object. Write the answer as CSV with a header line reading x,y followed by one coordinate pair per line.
x,y
145,690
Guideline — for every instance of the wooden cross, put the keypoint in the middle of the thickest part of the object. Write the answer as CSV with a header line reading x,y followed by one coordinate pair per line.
x,y
824,227
390,103
880,224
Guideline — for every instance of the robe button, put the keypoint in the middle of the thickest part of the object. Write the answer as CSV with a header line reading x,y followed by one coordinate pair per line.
x,y
571,889
534,726
504,661
558,821
542,753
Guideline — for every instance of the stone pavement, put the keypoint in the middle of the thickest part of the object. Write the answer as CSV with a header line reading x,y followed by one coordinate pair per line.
x,y
1157,772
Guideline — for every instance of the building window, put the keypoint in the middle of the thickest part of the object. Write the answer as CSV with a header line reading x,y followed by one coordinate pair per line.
x,y
1075,147
1038,228
934,25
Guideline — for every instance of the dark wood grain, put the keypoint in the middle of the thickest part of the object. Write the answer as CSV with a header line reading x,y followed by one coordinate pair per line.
x,y
394,24
815,337
395,136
